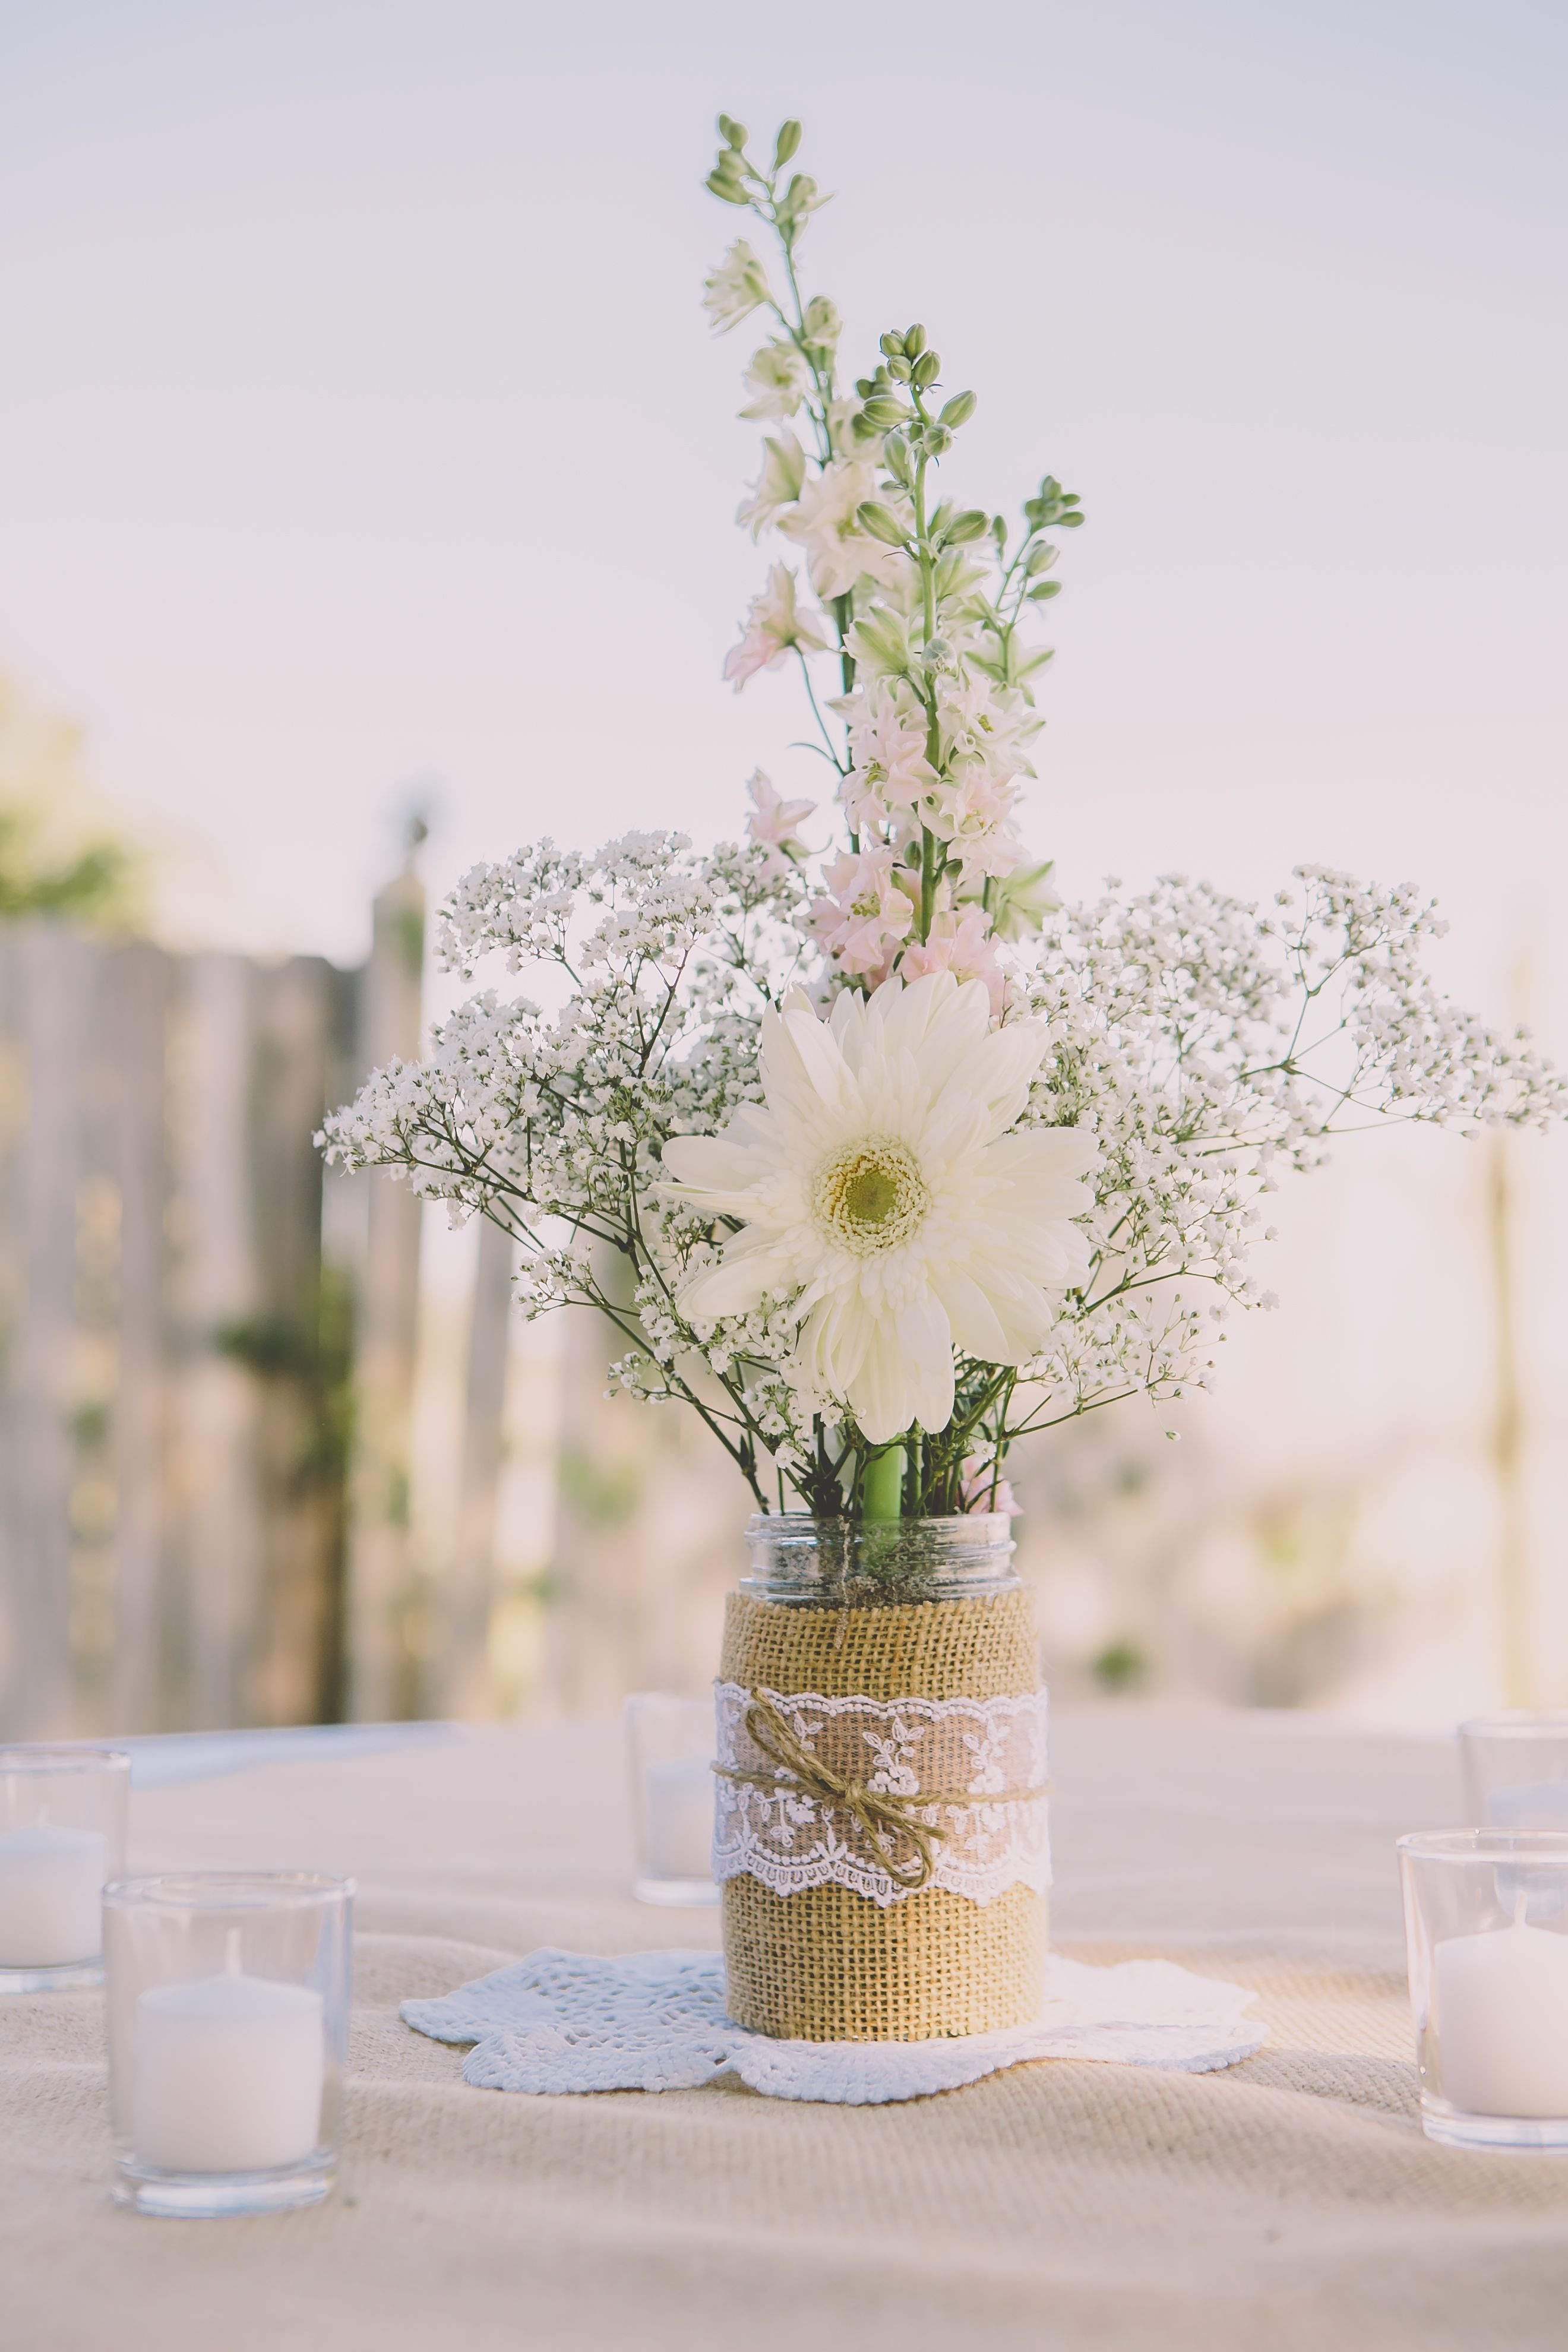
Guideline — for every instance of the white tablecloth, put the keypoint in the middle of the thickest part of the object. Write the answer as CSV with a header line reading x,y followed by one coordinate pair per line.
x,y
1290,2202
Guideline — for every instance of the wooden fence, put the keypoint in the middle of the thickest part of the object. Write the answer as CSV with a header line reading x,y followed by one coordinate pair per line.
x,y
209,1359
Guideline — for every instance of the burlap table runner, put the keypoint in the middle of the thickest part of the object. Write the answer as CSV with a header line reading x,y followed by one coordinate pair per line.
x,y
1290,2204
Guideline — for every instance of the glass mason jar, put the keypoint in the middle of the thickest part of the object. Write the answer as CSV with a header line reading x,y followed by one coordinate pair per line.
x,y
801,1562
880,1831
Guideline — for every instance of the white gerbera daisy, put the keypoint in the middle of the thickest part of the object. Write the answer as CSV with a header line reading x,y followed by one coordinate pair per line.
x,y
881,1182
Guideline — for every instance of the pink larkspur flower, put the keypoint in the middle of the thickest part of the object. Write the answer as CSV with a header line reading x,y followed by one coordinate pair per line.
x,y
864,911
774,626
980,1489
774,820
963,945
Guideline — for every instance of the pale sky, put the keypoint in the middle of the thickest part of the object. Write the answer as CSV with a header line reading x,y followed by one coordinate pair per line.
x,y
360,433
362,438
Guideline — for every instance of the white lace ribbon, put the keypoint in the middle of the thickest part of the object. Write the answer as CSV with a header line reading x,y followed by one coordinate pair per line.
x,y
972,1769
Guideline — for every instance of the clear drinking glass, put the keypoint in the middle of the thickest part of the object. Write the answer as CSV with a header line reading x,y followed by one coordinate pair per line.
x,y
229,2011
803,1562
1516,1770
1486,1923
669,1748
62,1836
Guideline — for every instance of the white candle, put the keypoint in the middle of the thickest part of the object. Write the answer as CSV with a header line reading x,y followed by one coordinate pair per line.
x,y
230,2071
679,1802
51,1889
1502,2022
1530,1805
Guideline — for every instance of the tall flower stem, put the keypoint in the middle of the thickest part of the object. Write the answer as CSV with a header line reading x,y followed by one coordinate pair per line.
x,y
882,1491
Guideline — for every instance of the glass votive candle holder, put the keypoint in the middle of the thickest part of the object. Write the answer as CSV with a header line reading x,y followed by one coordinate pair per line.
x,y
1486,1923
1516,1770
228,2011
62,1838
670,1746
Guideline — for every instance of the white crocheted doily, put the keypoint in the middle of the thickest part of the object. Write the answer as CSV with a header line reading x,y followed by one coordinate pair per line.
x,y
656,2022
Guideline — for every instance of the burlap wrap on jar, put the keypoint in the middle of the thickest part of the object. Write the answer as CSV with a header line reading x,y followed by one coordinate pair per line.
x,y
930,1719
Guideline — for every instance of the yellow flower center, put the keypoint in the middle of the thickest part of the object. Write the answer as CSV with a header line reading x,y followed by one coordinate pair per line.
x,y
871,1196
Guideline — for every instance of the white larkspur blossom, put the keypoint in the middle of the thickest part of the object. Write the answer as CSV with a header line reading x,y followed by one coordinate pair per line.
x,y
878,1187
776,486
822,523
776,624
738,286
776,381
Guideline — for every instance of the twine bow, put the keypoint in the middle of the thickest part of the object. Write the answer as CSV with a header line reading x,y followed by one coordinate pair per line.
x,y
878,1814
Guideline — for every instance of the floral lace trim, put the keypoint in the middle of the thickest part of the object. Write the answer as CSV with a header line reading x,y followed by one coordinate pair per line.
x,y
987,1754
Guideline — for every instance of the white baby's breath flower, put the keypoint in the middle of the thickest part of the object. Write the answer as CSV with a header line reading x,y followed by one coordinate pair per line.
x,y
879,1186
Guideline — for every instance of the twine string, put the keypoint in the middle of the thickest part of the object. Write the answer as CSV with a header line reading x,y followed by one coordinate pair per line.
x,y
880,1814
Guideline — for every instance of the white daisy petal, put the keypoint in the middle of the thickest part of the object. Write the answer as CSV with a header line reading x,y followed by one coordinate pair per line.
x,y
925,1340
881,1191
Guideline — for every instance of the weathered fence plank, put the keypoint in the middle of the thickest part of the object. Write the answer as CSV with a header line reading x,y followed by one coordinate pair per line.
x,y
174,1371
464,1684
128,1157
48,1007
381,1670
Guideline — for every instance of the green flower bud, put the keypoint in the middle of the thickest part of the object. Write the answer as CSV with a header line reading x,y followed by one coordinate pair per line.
x,y
729,189
822,324
878,521
915,342
901,370
1044,588
892,345
787,142
971,524
936,440
798,199
883,412
928,367
896,453
959,409
731,130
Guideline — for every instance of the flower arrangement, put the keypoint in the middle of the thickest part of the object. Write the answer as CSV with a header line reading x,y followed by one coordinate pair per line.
x,y
877,1156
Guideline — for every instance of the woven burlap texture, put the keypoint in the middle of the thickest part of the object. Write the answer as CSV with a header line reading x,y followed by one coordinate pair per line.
x,y
1288,2205
826,1965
